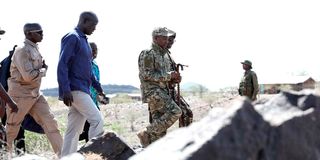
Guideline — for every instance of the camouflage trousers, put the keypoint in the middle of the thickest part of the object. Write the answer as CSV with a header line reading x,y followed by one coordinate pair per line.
x,y
164,112
187,115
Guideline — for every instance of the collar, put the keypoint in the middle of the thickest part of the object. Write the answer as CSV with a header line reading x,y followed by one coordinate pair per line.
x,y
159,49
80,32
247,71
28,42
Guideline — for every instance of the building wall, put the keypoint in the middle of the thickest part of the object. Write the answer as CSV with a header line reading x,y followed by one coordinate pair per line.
x,y
275,88
310,84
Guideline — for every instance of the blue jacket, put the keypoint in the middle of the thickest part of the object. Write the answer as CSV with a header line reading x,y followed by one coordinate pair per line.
x,y
74,67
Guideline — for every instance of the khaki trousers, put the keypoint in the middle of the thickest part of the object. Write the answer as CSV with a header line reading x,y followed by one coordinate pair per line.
x,y
83,108
40,111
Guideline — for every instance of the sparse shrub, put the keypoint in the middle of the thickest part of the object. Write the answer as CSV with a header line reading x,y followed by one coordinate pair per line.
x,y
210,97
116,127
132,118
52,101
199,89
121,98
36,143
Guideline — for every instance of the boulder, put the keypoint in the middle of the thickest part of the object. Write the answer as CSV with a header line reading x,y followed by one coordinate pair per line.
x,y
236,132
295,121
108,146
285,127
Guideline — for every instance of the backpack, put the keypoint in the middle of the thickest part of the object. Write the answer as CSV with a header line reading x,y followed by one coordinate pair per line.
x,y
28,123
5,69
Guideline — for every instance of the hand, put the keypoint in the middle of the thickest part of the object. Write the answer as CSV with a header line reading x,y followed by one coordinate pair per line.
x,y
67,99
44,65
175,77
13,106
103,99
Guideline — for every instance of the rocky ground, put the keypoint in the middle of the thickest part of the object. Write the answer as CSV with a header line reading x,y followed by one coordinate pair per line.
x,y
126,119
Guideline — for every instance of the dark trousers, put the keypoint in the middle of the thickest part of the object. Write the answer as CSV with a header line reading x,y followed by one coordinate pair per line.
x,y
84,135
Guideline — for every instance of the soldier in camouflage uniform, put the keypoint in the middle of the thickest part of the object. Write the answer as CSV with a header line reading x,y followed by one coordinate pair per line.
x,y
187,114
249,83
156,75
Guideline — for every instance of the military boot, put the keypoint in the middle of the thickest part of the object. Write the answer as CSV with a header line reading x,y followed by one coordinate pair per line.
x,y
144,138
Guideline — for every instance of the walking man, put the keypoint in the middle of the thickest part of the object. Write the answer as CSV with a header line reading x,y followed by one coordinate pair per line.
x,y
20,146
5,99
75,78
249,83
157,74
26,70
93,91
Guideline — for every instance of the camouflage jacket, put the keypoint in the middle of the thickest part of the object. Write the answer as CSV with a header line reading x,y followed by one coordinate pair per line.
x,y
155,66
249,85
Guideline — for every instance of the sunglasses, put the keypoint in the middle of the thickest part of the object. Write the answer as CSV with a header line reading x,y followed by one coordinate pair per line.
x,y
39,31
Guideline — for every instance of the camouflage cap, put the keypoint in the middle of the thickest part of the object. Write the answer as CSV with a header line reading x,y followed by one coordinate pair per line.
x,y
247,62
2,31
163,31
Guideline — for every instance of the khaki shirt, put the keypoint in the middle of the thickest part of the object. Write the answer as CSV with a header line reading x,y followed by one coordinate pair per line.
x,y
26,71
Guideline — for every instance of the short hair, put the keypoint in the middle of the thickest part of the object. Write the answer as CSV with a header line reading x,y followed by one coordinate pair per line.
x,y
87,16
31,27
93,44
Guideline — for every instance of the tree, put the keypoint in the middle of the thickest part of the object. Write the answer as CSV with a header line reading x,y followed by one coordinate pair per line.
x,y
200,89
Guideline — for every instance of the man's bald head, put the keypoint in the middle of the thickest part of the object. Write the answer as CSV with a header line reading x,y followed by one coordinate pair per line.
x,y
87,22
87,16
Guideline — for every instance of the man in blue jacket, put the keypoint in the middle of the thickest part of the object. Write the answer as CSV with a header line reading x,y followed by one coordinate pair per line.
x,y
75,78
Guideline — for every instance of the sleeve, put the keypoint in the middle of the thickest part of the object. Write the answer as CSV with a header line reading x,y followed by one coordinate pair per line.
x,y
68,49
98,73
148,68
23,62
96,84
95,70
255,84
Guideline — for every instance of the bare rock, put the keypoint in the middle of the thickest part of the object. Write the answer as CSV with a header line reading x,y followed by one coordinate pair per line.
x,y
285,127
295,121
237,132
108,146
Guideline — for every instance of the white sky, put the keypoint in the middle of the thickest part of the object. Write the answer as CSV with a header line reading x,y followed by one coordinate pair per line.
x,y
278,36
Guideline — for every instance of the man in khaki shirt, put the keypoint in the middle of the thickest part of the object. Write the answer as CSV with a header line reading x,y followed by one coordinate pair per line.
x,y
27,69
